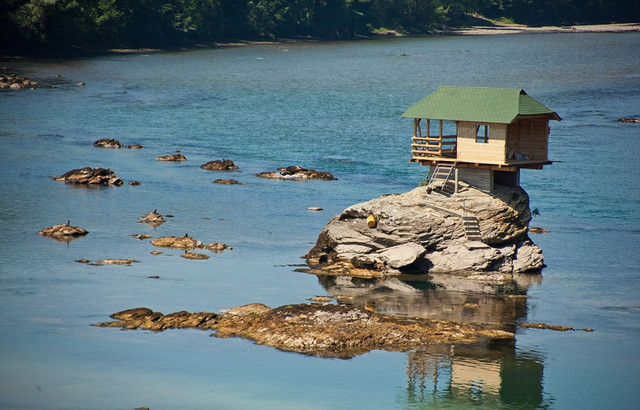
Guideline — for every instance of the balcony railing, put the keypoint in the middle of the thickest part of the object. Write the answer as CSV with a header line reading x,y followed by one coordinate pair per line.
x,y
434,146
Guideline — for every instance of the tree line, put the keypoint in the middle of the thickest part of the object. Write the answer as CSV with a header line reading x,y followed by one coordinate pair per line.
x,y
36,26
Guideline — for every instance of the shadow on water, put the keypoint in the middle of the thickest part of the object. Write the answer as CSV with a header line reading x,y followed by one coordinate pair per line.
x,y
485,374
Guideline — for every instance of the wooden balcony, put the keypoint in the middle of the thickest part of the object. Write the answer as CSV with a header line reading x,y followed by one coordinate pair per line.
x,y
433,147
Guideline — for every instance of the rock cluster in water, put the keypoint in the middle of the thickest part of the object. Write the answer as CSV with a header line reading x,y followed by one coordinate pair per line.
x,y
16,82
219,165
319,330
297,173
188,243
90,176
423,232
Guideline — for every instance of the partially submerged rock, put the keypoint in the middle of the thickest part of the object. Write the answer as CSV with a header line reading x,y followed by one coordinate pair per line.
x,y
420,232
90,176
226,182
188,243
194,255
116,261
133,146
172,157
629,120
323,330
63,231
297,173
177,242
152,218
219,165
107,143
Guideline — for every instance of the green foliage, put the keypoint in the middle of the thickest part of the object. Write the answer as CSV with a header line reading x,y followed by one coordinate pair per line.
x,y
59,25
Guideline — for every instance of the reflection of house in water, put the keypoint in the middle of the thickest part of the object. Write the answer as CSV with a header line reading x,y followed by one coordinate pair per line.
x,y
479,374
475,375
498,305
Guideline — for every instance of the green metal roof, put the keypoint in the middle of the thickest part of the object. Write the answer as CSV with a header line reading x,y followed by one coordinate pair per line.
x,y
477,104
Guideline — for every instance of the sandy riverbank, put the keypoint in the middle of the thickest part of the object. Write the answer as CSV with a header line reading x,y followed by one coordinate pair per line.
x,y
499,28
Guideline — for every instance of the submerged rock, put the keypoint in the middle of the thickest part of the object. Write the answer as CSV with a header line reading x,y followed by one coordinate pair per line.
x,y
90,176
629,120
65,230
116,261
133,146
172,157
323,330
297,173
219,165
422,232
107,143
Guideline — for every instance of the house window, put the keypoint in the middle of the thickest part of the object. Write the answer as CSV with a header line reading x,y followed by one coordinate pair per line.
x,y
482,133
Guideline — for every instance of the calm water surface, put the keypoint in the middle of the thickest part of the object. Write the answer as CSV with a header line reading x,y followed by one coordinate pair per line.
x,y
333,107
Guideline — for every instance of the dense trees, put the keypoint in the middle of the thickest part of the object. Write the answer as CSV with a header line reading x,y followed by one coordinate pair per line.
x,y
63,25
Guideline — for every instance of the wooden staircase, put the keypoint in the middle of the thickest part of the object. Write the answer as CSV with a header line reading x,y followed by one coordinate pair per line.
x,y
471,228
440,176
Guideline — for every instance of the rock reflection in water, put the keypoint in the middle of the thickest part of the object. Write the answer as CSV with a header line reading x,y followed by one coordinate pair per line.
x,y
476,375
458,299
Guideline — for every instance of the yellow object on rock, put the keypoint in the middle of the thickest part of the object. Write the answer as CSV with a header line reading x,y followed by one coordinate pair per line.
x,y
371,221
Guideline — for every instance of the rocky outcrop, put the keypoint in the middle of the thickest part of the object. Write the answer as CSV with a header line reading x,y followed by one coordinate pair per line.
x,y
90,176
297,173
227,182
420,232
63,231
153,218
219,165
107,143
313,329
172,158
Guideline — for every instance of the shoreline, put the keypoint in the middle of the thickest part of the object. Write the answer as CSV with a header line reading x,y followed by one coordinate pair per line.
x,y
476,30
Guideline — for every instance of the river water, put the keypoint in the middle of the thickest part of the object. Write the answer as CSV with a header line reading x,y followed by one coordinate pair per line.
x,y
333,107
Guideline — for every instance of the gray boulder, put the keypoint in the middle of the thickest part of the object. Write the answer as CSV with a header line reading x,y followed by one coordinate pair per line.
x,y
422,232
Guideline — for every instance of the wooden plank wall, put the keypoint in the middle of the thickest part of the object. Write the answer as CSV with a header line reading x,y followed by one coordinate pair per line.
x,y
493,151
529,137
479,178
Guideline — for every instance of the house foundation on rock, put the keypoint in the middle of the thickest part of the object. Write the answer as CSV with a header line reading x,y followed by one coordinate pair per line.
x,y
481,136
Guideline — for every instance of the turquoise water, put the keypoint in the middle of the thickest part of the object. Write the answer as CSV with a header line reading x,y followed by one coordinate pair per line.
x,y
329,106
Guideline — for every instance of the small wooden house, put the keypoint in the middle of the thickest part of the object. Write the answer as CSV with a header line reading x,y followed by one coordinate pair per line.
x,y
480,135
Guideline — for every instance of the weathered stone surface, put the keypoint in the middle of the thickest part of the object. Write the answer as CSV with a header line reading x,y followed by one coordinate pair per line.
x,y
297,173
172,158
216,247
90,176
419,232
65,230
107,143
314,329
152,218
219,165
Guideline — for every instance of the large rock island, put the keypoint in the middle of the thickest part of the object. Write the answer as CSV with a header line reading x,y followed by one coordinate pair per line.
x,y
470,233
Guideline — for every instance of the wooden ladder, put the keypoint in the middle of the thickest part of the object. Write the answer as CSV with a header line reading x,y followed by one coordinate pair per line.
x,y
471,228
441,175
